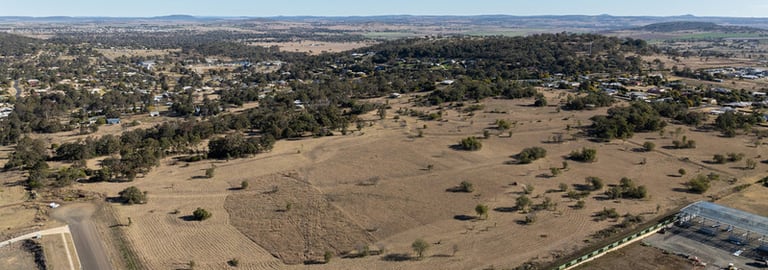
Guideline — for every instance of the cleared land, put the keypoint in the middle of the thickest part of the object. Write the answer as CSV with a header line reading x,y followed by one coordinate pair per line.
x,y
376,188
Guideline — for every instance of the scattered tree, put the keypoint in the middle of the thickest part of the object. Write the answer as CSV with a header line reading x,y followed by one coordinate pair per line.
x,y
523,203
585,155
649,146
482,211
681,171
530,154
594,182
201,214
470,144
244,185
420,246
563,187
699,184
132,195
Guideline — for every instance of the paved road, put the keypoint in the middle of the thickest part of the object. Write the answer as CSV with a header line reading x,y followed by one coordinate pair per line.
x,y
89,247
18,89
59,230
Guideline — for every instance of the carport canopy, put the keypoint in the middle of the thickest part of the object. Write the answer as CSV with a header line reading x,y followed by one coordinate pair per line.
x,y
728,216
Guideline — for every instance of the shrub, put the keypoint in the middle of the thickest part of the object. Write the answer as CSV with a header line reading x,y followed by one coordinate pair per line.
x,y
530,219
523,203
132,195
577,195
502,124
530,154
482,211
699,184
649,146
420,246
327,256
233,262
585,155
563,187
209,173
719,159
734,157
627,189
606,213
580,204
555,171
594,182
470,144
681,171
201,214
466,186
244,184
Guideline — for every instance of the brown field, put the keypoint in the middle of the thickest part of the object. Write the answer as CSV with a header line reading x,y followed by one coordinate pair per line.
x,y
115,53
15,257
314,47
373,188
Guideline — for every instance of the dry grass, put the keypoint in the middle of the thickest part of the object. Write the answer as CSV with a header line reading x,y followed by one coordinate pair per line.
x,y
375,182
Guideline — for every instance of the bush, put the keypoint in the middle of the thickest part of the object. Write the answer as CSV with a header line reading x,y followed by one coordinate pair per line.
x,y
209,173
466,186
681,171
606,213
523,203
244,184
594,182
580,204
649,146
627,189
420,246
201,214
699,184
530,219
132,195
585,155
719,159
327,256
530,154
470,144
233,262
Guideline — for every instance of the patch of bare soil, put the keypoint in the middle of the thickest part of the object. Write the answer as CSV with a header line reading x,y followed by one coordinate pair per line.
x,y
638,257
293,220
15,257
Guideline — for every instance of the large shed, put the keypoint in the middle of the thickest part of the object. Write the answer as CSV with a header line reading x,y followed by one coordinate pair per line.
x,y
728,219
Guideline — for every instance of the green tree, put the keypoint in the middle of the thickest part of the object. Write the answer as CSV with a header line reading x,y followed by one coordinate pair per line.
x,y
132,195
470,144
681,171
530,154
585,155
555,171
327,256
649,146
244,185
466,186
201,214
420,247
482,211
698,184
594,182
523,203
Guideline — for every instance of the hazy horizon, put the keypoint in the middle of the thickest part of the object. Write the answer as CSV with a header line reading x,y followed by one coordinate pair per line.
x,y
342,8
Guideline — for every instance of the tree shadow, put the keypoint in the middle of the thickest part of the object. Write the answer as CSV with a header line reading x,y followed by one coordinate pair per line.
x,y
582,187
313,262
235,188
441,256
113,199
684,190
505,209
544,175
674,175
463,217
188,218
199,177
396,257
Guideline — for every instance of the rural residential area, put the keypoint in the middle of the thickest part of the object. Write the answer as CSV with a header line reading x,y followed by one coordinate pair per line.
x,y
438,140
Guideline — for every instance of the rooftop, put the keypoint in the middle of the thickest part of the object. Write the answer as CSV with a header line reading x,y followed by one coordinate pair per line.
x,y
736,218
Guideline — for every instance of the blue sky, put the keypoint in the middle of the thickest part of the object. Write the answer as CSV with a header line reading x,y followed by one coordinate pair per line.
x,y
268,8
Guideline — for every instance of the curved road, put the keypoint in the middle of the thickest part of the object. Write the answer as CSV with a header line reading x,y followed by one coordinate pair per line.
x,y
89,247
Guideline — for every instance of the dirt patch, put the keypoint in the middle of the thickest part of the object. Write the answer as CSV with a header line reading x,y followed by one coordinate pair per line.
x,y
16,257
640,257
293,220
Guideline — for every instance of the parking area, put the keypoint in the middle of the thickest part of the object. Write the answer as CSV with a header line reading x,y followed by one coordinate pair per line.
x,y
717,247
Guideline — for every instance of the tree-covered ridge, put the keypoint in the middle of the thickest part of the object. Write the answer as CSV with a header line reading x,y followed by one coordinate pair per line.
x,y
15,45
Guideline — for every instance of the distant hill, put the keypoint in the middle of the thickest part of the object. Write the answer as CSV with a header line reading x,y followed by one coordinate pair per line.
x,y
666,27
